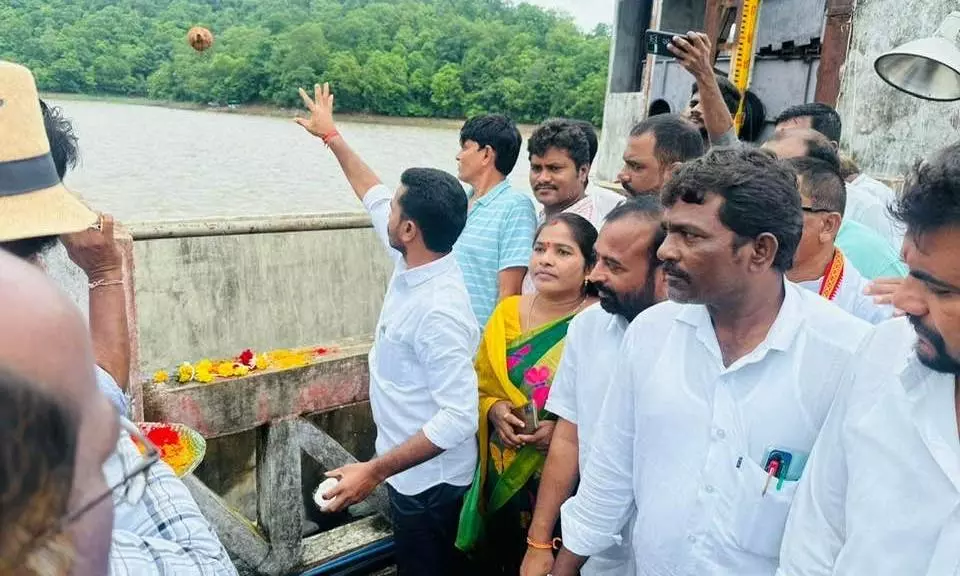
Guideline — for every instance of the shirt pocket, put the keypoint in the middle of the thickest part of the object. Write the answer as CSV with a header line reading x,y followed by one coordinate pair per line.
x,y
759,520
396,360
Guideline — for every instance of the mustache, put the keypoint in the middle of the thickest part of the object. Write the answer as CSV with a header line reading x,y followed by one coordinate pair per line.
x,y
671,269
934,337
603,290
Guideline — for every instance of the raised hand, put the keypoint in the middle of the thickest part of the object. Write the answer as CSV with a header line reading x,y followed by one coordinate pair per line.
x,y
95,251
320,122
694,53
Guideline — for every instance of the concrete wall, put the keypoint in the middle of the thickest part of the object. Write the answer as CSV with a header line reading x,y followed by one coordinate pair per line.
x,y
627,53
886,129
214,289
216,296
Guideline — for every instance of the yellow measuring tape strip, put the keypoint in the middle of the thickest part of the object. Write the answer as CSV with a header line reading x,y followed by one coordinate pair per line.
x,y
742,64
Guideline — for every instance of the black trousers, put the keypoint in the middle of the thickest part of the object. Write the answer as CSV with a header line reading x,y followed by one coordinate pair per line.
x,y
425,530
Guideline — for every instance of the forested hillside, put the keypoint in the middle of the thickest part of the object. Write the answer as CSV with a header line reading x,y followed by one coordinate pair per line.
x,y
447,58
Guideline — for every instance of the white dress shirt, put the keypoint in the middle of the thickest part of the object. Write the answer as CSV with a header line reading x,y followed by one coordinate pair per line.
x,y
865,184
863,207
421,364
851,297
881,495
590,355
684,437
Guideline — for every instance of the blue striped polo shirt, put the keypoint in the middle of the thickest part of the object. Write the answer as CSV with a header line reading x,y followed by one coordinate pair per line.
x,y
498,235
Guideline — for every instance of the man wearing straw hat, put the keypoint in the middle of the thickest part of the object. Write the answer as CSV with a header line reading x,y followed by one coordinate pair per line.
x,y
36,210
158,527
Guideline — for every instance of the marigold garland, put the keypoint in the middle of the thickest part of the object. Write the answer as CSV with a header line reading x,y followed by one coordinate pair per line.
x,y
207,370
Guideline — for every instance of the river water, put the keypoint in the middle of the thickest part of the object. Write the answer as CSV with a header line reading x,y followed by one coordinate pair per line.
x,y
145,163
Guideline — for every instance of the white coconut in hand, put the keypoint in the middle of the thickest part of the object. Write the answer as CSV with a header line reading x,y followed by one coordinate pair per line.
x,y
324,487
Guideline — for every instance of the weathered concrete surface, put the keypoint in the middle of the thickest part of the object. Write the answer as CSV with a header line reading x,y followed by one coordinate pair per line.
x,y
621,112
237,405
627,55
216,296
229,468
886,129
236,533
279,504
790,21
344,539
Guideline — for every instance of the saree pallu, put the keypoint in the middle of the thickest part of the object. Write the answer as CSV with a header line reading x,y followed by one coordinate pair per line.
x,y
516,367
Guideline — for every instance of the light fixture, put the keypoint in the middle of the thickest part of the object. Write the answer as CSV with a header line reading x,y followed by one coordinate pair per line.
x,y
927,68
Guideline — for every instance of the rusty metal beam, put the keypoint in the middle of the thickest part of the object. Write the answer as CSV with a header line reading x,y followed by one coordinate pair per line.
x,y
718,17
836,40
238,405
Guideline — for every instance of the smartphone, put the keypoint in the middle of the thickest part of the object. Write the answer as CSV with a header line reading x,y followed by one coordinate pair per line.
x,y
531,419
657,41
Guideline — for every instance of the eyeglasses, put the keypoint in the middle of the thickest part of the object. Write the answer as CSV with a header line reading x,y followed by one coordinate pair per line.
x,y
812,210
130,487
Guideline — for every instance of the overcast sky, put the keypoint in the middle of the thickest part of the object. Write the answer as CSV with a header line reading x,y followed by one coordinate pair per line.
x,y
588,13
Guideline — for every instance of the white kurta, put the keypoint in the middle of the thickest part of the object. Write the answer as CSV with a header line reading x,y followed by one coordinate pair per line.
x,y
586,370
851,298
684,437
881,495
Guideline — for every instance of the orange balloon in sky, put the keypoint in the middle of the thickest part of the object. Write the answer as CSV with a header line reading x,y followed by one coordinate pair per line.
x,y
200,38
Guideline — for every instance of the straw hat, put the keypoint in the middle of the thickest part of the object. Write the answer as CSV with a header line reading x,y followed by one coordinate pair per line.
x,y
33,202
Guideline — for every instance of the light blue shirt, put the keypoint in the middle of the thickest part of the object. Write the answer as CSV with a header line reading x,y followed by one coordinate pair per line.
x,y
108,386
498,235
421,364
870,253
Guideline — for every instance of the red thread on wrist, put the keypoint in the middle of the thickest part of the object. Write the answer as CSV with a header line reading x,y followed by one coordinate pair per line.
x,y
329,136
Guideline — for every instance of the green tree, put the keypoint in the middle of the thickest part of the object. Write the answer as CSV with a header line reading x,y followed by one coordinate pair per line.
x,y
400,57
447,87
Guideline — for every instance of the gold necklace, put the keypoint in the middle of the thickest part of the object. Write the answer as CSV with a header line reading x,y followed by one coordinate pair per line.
x,y
533,303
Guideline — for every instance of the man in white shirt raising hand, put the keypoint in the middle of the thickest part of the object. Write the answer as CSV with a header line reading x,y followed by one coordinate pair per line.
x,y
720,392
882,490
423,388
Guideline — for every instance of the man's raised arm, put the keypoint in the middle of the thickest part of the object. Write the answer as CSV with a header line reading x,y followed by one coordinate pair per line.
x,y
694,52
365,183
321,124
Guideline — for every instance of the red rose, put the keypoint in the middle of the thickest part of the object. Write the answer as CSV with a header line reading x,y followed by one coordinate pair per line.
x,y
247,358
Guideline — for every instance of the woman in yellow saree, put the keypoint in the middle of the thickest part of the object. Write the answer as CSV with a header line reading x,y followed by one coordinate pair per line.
x,y
518,356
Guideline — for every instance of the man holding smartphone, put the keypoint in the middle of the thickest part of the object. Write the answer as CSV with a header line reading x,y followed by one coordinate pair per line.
x,y
714,99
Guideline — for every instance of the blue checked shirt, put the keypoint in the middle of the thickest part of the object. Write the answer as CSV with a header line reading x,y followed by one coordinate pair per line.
x,y
164,533
499,235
